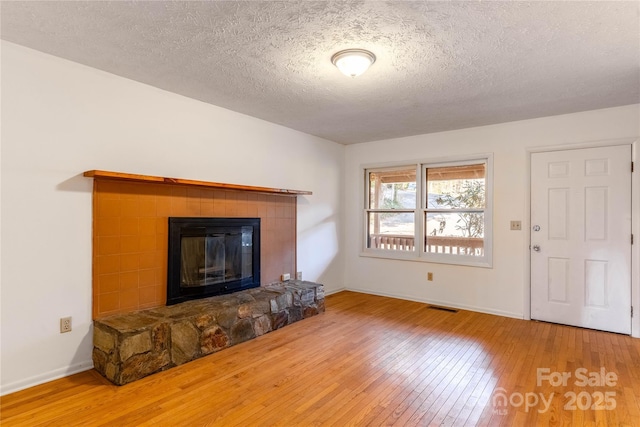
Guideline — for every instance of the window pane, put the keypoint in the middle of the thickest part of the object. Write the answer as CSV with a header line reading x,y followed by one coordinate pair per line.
x,y
393,189
456,187
391,231
455,233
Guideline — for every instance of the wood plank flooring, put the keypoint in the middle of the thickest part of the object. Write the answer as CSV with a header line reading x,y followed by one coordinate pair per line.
x,y
368,360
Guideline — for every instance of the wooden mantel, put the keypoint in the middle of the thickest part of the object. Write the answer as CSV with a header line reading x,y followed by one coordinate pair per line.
x,y
98,174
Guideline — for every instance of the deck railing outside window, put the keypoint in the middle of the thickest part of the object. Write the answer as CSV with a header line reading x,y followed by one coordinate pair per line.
x,y
435,244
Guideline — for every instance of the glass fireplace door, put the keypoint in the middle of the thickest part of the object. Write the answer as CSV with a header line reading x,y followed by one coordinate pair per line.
x,y
216,257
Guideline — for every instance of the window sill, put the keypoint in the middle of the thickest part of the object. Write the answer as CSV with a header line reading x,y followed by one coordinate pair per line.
x,y
433,259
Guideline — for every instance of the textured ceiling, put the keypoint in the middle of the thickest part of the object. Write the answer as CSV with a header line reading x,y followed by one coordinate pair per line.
x,y
440,65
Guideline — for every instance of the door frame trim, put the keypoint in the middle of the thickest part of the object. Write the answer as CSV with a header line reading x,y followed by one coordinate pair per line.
x,y
635,220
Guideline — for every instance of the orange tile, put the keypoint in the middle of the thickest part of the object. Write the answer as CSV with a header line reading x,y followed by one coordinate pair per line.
x,y
129,280
129,191
147,278
109,302
147,243
147,207
129,299
162,295
147,226
129,244
147,189
108,245
162,273
219,208
95,306
241,203
193,193
291,211
148,295
178,191
219,195
108,208
262,209
231,207
107,227
206,207
178,206
107,189
162,225
252,205
283,225
129,262
163,190
138,217
163,206
268,224
108,283
207,194
193,207
130,208
150,260
162,244
272,210
107,264
129,226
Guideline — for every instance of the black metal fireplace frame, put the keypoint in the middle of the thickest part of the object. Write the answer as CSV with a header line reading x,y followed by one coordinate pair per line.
x,y
180,226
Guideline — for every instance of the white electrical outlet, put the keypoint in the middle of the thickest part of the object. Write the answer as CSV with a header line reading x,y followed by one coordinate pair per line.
x,y
299,275
65,324
285,277
516,225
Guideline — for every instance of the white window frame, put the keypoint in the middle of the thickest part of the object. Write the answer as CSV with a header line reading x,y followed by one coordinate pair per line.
x,y
384,253
419,254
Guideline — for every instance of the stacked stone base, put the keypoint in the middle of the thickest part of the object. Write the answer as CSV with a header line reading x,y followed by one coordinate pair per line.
x,y
131,346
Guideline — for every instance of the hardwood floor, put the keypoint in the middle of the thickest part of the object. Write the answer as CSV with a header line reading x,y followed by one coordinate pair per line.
x,y
368,360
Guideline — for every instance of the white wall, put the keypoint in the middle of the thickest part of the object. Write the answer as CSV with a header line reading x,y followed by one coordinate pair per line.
x,y
502,289
60,119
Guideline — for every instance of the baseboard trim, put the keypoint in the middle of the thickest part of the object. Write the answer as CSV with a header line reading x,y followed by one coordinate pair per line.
x,y
439,302
334,291
46,377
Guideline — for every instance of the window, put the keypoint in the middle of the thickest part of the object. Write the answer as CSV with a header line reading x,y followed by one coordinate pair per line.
x,y
436,212
391,212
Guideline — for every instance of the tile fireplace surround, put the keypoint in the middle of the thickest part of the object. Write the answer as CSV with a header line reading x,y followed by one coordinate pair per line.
x,y
130,232
135,333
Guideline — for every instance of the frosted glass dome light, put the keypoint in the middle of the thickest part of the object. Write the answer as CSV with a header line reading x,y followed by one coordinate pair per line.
x,y
353,62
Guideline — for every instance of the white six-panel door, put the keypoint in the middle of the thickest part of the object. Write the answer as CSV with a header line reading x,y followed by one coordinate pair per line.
x,y
581,237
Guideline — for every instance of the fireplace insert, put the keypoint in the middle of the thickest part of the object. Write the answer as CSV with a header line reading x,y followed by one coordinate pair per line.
x,y
212,256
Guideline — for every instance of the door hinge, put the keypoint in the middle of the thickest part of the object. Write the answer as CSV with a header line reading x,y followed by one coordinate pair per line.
x,y
632,239
631,311
631,166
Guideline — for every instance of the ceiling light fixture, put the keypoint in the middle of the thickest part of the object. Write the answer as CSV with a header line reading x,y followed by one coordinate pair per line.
x,y
353,62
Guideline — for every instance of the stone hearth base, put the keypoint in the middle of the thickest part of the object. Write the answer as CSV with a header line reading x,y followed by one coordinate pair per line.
x,y
127,347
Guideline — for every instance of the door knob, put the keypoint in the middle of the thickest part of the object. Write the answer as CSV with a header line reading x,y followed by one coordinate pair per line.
x,y
536,228
536,248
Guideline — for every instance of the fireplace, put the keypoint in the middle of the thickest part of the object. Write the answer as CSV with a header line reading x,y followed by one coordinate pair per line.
x,y
212,256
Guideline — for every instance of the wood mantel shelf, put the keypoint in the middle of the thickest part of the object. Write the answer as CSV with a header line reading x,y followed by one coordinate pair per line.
x,y
98,174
